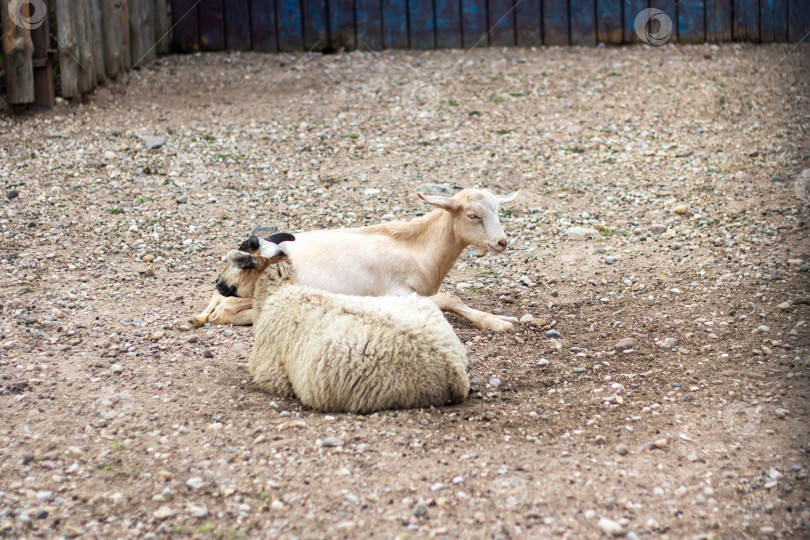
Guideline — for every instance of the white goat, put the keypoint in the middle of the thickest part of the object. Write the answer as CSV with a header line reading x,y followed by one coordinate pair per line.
x,y
340,353
389,259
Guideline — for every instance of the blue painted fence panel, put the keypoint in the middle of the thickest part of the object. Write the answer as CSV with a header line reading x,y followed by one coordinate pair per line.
x,y
474,23
691,28
608,21
448,24
331,25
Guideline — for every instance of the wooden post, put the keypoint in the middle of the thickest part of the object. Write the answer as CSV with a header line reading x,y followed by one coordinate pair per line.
x,y
18,50
141,31
68,49
87,68
148,34
98,40
42,62
162,36
113,45
136,24
126,54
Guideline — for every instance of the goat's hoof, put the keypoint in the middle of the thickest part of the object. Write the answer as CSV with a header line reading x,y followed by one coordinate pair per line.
x,y
507,319
498,325
196,321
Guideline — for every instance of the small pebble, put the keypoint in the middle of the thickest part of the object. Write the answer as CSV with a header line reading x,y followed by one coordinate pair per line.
x,y
208,354
624,344
331,442
610,527
494,382
552,334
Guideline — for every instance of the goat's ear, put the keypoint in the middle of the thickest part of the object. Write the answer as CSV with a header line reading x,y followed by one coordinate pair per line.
x,y
240,259
251,244
269,250
508,198
280,237
445,203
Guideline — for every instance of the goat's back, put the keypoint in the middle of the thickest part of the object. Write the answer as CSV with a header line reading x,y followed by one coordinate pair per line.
x,y
357,354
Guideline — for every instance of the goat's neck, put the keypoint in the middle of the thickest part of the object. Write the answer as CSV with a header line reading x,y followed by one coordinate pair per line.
x,y
441,247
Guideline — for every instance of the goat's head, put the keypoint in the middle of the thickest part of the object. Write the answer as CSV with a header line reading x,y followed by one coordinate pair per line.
x,y
245,265
475,214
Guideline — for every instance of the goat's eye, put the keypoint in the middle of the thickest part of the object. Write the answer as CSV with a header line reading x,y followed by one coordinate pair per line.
x,y
472,216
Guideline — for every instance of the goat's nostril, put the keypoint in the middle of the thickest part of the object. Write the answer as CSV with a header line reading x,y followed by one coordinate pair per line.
x,y
503,242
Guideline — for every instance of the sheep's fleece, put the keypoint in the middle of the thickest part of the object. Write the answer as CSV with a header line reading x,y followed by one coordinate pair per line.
x,y
340,353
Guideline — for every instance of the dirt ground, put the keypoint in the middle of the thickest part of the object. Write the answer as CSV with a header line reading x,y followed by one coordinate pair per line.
x,y
117,420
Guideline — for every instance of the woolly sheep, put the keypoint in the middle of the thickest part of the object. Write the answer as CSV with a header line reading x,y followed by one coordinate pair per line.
x,y
340,353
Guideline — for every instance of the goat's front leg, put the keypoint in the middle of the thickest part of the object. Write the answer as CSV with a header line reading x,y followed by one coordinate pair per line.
x,y
202,318
233,310
481,319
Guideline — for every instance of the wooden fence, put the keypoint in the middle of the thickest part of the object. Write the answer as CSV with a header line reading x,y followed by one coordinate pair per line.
x,y
101,39
97,40
328,25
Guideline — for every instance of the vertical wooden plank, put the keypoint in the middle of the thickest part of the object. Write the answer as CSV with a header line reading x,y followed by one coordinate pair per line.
x,y
691,28
501,23
111,34
212,25
98,40
315,35
555,22
631,9
368,21
609,21
583,22
798,20
448,24
148,31
669,9
746,20
68,48
473,23
126,53
262,25
18,50
395,23
773,20
135,26
236,21
87,69
528,23
288,22
718,20
420,14
162,27
341,24
40,27
185,35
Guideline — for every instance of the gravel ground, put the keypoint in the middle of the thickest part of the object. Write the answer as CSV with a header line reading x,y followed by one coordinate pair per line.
x,y
656,386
